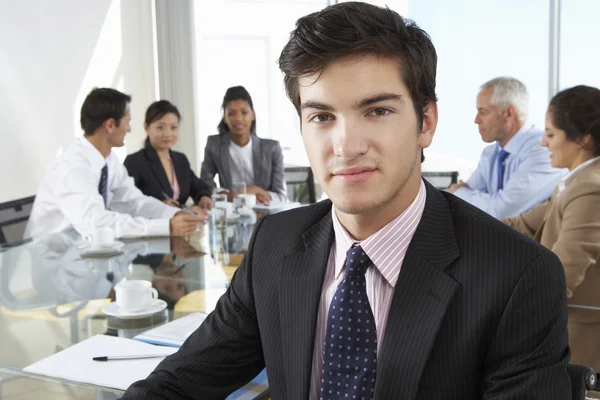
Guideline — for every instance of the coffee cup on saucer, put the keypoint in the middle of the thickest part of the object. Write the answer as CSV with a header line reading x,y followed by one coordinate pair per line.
x,y
225,206
101,237
247,200
134,295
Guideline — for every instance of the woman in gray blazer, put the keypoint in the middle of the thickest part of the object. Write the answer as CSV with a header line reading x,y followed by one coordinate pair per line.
x,y
240,157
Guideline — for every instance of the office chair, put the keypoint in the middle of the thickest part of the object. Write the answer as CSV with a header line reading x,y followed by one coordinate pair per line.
x,y
582,379
440,180
300,184
13,219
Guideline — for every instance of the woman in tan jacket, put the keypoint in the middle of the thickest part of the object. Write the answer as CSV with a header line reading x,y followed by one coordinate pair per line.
x,y
569,222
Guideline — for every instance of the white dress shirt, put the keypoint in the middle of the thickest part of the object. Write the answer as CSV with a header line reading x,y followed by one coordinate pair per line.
x,y
243,168
528,180
69,197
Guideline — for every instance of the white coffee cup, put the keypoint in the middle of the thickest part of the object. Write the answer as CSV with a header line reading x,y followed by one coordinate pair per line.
x,y
238,201
248,200
134,295
101,237
225,206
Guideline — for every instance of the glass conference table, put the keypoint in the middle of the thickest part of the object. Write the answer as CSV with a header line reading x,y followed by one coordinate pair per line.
x,y
51,297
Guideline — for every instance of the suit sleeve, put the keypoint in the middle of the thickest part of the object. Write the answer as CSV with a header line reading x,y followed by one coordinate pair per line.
x,y
278,187
528,352
133,171
209,168
222,355
528,223
578,242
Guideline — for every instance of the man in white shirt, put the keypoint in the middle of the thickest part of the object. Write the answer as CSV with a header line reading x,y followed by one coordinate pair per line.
x,y
88,188
514,173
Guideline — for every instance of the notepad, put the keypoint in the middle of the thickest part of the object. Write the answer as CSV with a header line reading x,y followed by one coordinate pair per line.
x,y
173,333
75,363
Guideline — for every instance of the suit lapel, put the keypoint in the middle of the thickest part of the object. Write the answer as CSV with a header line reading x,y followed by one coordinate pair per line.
x,y
225,162
421,297
158,171
257,163
299,294
182,173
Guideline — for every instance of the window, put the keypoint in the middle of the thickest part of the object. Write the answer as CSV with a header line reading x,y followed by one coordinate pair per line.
x,y
477,41
238,43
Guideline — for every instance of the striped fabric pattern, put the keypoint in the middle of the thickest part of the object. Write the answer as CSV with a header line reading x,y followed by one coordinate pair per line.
x,y
386,249
478,312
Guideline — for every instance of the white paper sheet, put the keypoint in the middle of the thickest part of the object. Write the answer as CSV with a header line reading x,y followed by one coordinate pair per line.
x,y
276,206
173,333
75,363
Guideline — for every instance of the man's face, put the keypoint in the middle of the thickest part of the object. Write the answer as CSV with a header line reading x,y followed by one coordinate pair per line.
x,y
117,133
360,131
489,118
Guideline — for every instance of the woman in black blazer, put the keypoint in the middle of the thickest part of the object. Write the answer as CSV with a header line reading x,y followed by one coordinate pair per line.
x,y
161,172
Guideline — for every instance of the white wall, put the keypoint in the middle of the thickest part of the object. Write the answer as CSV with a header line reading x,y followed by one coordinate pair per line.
x,y
53,53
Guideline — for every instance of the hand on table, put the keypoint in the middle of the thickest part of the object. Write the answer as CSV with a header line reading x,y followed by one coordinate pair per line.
x,y
185,224
454,187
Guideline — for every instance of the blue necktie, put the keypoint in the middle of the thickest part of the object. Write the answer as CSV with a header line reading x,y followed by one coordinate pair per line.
x,y
350,352
103,185
501,157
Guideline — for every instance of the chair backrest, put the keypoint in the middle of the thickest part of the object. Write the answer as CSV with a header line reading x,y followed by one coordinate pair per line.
x,y
13,219
582,379
300,183
442,179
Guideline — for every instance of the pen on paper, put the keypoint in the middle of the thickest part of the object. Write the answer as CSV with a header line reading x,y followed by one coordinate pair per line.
x,y
134,357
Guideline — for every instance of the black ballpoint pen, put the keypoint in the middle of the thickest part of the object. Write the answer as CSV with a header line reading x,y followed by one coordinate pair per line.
x,y
133,357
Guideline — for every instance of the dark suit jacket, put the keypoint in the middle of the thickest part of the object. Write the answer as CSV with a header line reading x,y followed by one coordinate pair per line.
x,y
479,311
267,160
150,177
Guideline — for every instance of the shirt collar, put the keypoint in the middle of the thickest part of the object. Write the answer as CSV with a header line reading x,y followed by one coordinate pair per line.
x,y
565,180
375,242
97,161
514,144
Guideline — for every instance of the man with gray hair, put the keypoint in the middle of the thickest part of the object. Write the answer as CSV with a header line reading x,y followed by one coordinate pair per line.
x,y
514,174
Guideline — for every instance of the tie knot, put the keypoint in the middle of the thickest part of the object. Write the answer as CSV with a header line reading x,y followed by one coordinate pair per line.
x,y
502,155
357,262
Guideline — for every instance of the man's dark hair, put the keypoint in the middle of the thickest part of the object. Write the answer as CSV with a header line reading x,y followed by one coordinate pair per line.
x,y
235,93
355,28
577,112
101,105
156,111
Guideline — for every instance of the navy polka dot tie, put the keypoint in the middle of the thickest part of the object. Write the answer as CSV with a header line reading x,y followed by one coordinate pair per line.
x,y
350,352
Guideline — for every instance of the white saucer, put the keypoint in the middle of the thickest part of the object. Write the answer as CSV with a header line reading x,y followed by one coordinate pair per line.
x,y
113,310
89,249
233,217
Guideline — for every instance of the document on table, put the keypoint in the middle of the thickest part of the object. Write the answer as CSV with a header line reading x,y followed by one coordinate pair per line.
x,y
173,333
276,206
75,363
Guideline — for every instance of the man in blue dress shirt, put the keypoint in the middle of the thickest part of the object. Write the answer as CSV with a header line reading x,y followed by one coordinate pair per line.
x,y
514,174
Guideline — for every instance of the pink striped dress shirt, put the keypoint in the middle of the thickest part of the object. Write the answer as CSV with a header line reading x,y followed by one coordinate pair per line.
x,y
386,248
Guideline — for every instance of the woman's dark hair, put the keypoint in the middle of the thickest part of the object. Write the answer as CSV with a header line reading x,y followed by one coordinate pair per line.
x,y
354,28
576,111
102,104
235,93
156,111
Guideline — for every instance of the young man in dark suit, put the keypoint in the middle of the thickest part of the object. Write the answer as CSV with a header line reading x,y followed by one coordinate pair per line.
x,y
390,290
